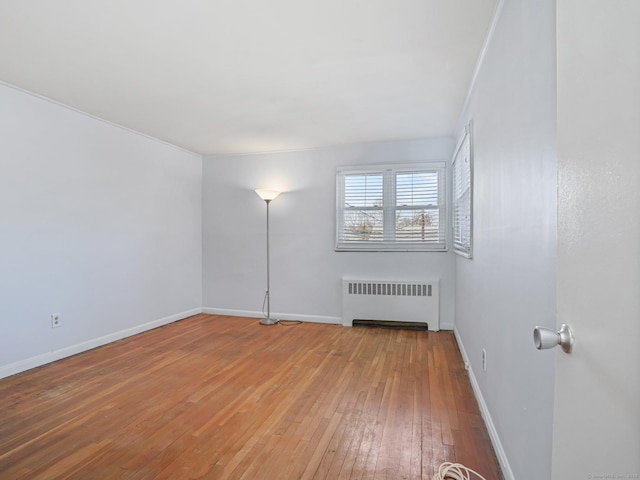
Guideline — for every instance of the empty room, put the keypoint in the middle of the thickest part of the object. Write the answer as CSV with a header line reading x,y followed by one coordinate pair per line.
x,y
320,239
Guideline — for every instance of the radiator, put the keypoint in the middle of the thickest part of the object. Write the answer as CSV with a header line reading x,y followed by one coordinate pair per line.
x,y
391,300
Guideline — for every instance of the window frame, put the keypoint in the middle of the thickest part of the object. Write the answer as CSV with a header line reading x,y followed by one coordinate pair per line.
x,y
389,173
462,200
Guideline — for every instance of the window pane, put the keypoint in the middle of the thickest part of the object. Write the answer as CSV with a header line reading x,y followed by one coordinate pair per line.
x,y
418,226
363,190
461,173
462,221
417,189
363,225
392,207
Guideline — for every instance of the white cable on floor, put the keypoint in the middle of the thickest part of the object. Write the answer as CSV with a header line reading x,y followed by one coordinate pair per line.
x,y
455,471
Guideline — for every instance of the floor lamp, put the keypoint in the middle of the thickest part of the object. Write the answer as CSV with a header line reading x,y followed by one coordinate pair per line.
x,y
268,196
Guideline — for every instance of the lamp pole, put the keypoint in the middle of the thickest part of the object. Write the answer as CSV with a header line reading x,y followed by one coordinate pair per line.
x,y
267,320
268,196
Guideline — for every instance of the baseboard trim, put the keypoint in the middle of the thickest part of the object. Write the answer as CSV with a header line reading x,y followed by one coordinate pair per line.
x,y
484,410
44,358
279,316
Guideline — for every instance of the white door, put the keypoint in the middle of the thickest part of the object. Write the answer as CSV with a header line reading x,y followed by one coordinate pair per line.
x,y
597,387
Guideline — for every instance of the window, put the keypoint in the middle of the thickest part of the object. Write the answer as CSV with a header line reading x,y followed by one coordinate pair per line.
x,y
391,208
462,196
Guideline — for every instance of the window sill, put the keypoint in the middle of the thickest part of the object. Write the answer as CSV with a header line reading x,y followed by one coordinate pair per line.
x,y
390,248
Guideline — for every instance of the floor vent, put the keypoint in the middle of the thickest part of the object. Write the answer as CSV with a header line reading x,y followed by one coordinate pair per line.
x,y
390,324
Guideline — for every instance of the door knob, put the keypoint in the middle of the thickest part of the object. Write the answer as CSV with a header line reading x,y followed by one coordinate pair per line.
x,y
546,338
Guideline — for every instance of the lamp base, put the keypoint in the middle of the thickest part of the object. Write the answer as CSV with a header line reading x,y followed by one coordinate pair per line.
x,y
268,321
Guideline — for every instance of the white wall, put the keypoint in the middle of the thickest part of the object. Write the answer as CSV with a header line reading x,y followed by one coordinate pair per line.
x,y
98,223
597,390
306,272
509,285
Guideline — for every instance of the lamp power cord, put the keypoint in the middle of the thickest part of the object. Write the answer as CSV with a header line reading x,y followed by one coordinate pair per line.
x,y
264,303
455,471
284,323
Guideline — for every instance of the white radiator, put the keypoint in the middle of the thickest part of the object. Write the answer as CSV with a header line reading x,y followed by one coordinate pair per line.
x,y
405,301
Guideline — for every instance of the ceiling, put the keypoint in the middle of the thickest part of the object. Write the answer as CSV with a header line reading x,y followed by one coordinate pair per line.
x,y
235,76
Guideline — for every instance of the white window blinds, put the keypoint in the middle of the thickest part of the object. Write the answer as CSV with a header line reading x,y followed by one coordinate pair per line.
x,y
462,196
363,212
391,207
417,207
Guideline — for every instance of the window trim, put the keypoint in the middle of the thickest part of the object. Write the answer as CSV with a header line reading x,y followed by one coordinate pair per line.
x,y
389,171
466,143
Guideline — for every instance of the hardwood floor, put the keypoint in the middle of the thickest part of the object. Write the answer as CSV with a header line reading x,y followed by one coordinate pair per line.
x,y
224,398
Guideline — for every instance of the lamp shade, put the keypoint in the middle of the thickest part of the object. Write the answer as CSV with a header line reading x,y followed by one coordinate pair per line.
x,y
266,194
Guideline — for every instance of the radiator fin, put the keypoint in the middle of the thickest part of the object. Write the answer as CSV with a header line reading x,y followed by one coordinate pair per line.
x,y
393,289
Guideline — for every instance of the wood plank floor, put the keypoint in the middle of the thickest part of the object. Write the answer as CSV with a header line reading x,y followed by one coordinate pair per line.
x,y
219,397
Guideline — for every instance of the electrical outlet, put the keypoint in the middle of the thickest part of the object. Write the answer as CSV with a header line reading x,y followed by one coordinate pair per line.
x,y
484,360
56,320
